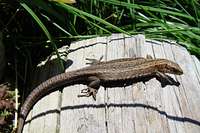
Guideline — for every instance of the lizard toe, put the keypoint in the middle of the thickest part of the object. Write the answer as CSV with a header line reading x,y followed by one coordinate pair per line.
x,y
93,93
85,90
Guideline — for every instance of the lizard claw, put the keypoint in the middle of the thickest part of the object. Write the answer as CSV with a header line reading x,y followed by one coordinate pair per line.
x,y
85,90
88,92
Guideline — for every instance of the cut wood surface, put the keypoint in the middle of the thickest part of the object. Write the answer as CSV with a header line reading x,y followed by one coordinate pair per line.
x,y
138,108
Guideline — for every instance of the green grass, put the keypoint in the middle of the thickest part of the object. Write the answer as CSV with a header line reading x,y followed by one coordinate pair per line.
x,y
176,20
44,29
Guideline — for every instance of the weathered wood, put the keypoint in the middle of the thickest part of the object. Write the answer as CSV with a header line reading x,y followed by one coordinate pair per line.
x,y
141,107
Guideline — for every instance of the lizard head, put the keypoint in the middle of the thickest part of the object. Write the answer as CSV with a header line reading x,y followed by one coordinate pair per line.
x,y
168,66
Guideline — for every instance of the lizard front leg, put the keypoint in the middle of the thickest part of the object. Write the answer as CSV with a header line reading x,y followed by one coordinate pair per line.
x,y
93,86
166,79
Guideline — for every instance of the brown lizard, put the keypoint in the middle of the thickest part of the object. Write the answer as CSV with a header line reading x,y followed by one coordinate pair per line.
x,y
120,71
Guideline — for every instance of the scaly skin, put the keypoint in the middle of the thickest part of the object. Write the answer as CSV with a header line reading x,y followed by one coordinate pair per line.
x,y
101,73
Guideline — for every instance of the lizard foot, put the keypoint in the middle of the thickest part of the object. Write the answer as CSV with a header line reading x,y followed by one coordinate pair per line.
x,y
94,61
88,92
149,56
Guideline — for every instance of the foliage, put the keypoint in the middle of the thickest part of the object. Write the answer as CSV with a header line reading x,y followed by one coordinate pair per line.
x,y
160,20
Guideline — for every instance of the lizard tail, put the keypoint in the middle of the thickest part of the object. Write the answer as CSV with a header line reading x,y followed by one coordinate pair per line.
x,y
20,125
43,89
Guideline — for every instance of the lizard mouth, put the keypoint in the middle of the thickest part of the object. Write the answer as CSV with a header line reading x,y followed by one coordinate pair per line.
x,y
178,71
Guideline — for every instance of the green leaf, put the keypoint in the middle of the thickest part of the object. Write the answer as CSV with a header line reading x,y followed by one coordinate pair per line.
x,y
82,13
149,8
44,29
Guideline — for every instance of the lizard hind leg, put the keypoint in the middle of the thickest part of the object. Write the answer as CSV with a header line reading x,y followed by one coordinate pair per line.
x,y
88,92
94,61
93,86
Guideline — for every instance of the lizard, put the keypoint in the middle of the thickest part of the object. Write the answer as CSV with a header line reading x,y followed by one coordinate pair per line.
x,y
104,73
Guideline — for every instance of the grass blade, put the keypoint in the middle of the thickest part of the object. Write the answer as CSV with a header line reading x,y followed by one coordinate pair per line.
x,y
42,26
80,12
